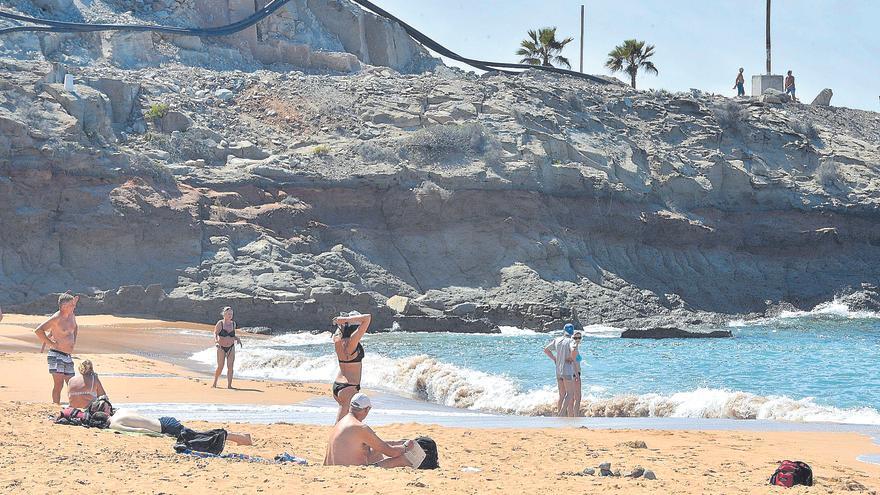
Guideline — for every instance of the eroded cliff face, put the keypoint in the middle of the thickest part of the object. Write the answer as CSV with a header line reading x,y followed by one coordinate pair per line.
x,y
520,200
312,35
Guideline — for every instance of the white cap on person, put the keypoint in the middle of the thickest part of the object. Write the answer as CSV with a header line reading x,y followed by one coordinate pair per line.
x,y
360,401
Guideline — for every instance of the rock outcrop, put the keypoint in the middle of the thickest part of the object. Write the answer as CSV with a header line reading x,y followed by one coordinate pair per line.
x,y
482,201
823,98
673,333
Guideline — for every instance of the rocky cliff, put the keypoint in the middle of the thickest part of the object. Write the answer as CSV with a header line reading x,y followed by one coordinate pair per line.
x,y
293,192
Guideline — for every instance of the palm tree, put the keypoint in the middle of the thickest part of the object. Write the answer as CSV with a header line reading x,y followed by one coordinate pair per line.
x,y
542,48
631,56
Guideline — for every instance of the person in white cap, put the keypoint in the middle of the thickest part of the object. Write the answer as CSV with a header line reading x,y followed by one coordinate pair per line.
x,y
352,443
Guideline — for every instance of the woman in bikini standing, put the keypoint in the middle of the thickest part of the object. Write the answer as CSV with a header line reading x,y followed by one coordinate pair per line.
x,y
85,387
349,353
225,340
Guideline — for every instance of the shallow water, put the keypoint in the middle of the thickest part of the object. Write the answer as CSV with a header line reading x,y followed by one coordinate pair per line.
x,y
818,366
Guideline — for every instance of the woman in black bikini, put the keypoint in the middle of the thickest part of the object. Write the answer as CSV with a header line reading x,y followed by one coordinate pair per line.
x,y
225,340
349,353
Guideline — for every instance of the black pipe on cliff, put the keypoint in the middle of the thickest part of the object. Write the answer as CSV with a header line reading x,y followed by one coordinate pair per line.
x,y
50,26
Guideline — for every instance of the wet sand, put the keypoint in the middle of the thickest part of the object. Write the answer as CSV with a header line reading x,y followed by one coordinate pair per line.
x,y
143,361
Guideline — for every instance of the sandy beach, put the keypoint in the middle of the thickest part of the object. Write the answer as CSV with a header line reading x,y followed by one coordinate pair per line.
x,y
143,361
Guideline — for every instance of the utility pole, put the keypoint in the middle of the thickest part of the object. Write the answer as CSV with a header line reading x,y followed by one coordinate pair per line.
x,y
768,38
582,38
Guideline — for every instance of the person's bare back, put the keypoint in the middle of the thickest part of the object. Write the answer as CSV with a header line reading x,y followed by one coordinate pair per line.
x,y
352,443
348,443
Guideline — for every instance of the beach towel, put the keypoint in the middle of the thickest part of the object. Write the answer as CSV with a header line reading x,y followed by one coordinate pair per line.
x,y
279,459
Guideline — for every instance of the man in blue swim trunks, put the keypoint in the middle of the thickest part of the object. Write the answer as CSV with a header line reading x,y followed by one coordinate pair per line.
x,y
789,86
59,334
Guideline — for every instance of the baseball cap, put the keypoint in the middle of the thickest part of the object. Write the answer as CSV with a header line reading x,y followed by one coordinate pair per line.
x,y
360,401
568,329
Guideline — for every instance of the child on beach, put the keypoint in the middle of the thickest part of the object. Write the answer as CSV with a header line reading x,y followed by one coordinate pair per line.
x,y
59,333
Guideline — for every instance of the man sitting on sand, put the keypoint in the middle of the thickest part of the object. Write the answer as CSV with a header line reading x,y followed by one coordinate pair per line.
x,y
352,443
59,333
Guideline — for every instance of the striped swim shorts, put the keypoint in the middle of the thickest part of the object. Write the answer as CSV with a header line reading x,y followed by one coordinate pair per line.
x,y
60,362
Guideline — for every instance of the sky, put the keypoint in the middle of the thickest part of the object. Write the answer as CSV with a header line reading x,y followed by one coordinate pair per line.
x,y
699,43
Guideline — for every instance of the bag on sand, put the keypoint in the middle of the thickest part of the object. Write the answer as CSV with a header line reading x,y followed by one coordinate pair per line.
x,y
101,404
431,457
790,473
211,441
71,416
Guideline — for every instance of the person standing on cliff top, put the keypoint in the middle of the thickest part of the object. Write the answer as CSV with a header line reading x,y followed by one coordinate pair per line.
x,y
559,351
789,86
740,84
59,333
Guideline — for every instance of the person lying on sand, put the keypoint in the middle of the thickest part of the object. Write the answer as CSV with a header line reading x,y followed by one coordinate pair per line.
x,y
130,421
352,443
85,387
59,333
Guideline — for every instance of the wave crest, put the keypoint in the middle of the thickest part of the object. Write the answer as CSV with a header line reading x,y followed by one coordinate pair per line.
x,y
432,380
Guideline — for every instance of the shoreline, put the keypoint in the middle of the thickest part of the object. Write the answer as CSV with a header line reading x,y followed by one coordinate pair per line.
x,y
684,453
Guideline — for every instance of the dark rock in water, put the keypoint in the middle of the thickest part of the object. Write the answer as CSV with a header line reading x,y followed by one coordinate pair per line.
x,y
776,309
673,333
444,324
257,330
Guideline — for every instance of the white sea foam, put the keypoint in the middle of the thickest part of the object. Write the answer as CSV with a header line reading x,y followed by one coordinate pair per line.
x,y
834,309
505,330
602,331
717,403
429,379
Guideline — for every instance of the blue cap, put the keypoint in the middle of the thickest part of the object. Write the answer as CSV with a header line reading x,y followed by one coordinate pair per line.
x,y
568,329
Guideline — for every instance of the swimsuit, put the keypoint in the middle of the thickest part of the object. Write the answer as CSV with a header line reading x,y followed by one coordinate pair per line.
x,y
340,386
358,357
60,362
93,391
224,333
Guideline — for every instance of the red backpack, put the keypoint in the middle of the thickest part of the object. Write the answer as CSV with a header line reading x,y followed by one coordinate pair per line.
x,y
790,473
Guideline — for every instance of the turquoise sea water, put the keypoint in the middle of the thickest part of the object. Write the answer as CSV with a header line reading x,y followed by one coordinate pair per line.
x,y
813,366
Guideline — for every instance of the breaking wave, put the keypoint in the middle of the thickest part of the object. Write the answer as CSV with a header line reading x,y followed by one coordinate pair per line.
x,y
835,309
435,381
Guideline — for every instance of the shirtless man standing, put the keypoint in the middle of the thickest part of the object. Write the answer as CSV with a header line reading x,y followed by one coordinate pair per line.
x,y
59,333
352,443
